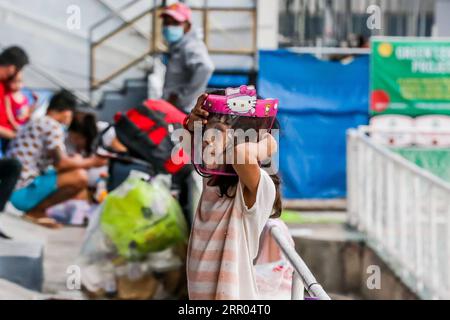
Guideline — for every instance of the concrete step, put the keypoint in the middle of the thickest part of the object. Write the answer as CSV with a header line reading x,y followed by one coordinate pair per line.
x,y
133,93
339,258
316,204
12,291
61,248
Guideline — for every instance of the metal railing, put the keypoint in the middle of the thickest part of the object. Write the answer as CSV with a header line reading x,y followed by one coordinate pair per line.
x,y
58,82
116,13
302,277
113,41
151,40
404,211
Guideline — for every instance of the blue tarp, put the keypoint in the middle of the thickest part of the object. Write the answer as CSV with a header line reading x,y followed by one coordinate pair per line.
x,y
227,80
319,101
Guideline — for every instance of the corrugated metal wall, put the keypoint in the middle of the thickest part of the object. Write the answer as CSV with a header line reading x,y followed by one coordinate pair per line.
x,y
333,22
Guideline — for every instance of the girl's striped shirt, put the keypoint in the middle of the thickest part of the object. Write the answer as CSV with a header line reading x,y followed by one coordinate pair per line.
x,y
224,243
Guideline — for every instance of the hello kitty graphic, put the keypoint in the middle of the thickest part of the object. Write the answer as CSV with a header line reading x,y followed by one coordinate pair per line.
x,y
241,100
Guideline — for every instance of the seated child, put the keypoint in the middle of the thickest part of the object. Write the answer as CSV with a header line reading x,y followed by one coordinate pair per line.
x,y
18,107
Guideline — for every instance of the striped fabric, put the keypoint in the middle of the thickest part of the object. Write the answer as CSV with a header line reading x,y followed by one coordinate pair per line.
x,y
224,242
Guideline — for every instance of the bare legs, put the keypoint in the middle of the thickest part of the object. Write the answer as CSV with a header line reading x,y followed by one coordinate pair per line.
x,y
71,185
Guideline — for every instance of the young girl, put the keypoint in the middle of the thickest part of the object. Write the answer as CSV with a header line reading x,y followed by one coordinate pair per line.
x,y
18,107
237,201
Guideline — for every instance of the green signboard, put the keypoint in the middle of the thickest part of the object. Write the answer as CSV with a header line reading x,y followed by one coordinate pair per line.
x,y
410,76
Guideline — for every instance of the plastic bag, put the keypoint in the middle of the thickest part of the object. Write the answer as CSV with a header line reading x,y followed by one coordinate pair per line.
x,y
136,232
272,270
141,217
96,247
274,280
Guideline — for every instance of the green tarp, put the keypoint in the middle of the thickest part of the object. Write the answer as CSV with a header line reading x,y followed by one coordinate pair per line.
x,y
436,161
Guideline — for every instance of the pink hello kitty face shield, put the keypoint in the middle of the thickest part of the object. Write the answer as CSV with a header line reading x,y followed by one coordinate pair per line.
x,y
234,118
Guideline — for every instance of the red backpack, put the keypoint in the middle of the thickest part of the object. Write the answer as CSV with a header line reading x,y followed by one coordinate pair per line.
x,y
146,130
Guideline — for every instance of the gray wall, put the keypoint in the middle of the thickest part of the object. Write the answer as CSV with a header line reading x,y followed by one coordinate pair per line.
x,y
442,14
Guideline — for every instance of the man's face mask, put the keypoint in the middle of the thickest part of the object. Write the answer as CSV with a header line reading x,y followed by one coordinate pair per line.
x,y
173,34
238,117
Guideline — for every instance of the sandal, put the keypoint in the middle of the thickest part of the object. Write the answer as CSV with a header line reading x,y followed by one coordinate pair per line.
x,y
44,222
4,236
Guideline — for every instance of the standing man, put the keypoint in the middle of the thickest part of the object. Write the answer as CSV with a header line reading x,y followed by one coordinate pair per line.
x,y
190,66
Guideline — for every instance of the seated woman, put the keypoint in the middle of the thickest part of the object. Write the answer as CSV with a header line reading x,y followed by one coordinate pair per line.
x,y
82,139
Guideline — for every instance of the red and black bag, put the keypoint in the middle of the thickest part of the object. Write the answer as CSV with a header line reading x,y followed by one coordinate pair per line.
x,y
146,132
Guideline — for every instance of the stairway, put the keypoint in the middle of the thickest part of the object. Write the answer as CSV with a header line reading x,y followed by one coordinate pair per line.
x,y
138,35
133,93
341,259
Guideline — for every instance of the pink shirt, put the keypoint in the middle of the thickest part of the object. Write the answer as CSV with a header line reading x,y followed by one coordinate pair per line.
x,y
20,107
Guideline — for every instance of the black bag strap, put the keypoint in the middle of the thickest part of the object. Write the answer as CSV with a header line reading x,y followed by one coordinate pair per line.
x,y
156,116
99,141
120,156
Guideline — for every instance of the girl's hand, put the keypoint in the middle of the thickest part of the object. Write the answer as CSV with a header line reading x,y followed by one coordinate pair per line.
x,y
98,161
198,113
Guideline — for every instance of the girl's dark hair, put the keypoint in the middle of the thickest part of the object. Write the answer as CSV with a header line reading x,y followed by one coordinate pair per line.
x,y
85,124
226,184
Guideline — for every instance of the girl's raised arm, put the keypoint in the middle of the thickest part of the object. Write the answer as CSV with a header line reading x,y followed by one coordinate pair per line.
x,y
247,159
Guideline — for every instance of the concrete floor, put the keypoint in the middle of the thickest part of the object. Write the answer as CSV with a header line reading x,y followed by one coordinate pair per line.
x,y
61,248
